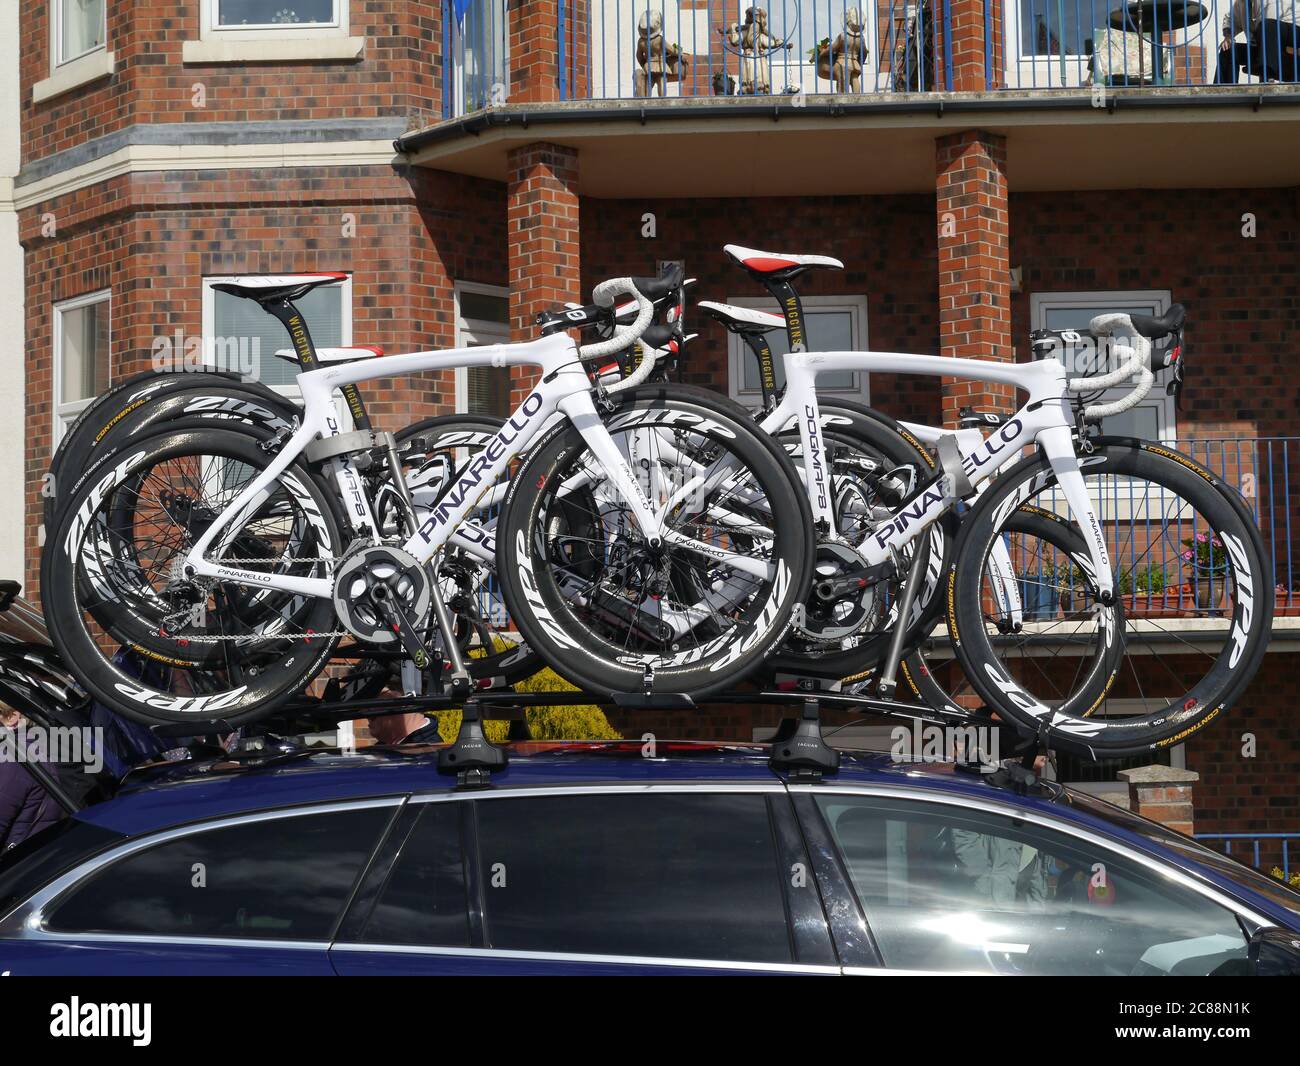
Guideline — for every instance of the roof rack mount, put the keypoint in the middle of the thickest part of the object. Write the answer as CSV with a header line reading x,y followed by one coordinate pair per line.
x,y
471,756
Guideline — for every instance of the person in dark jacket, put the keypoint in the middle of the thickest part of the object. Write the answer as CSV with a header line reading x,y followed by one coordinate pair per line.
x,y
25,806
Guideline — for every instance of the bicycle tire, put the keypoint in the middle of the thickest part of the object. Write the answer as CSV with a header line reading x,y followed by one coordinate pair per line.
x,y
590,660
287,664
1093,734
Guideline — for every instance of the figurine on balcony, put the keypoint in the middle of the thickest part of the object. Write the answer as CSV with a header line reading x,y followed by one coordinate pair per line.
x,y
841,62
751,38
657,63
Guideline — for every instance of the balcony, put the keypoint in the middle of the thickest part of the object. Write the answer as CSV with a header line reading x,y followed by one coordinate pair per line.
x,y
856,93
624,50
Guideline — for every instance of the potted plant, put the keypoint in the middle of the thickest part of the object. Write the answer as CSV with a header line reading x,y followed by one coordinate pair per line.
x,y
1205,560
1039,594
1149,596
1286,603
1071,587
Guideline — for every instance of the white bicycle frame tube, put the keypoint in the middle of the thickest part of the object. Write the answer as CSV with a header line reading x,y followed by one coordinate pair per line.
x,y
1002,579
564,388
1044,419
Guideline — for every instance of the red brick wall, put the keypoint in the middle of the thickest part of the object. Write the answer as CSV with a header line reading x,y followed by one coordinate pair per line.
x,y
1240,292
399,75
887,245
542,220
1240,794
974,279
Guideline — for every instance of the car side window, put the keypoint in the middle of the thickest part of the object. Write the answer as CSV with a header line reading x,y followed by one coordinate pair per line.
x,y
269,879
953,889
423,900
679,875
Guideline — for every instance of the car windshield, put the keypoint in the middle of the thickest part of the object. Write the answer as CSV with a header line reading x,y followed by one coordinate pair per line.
x,y
1270,887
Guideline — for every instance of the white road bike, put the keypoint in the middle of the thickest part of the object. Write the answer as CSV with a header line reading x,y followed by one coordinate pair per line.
x,y
572,573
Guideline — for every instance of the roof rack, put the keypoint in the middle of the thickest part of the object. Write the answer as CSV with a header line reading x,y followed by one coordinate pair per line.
x,y
798,747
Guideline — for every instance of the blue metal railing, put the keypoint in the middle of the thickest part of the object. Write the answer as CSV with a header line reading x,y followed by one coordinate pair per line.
x,y
1254,848
1261,470
1052,44
635,49
475,57
1169,564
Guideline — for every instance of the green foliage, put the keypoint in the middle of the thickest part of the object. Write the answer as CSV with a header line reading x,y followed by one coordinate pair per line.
x,y
1150,580
582,721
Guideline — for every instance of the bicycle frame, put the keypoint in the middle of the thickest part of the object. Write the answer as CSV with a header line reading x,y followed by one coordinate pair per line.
x,y
1044,420
563,389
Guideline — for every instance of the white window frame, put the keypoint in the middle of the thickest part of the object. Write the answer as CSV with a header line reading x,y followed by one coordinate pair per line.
x,y
737,352
209,328
210,29
65,413
57,58
473,331
1159,301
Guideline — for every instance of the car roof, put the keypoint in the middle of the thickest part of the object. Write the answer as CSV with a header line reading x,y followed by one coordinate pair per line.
x,y
193,790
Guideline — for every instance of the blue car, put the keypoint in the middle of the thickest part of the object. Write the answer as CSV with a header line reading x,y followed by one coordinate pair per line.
x,y
606,858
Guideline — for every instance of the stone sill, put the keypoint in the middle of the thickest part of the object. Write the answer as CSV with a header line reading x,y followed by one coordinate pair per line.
x,y
281,50
75,74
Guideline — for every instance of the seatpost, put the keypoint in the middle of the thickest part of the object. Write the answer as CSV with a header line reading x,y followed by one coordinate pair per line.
x,y
291,318
757,343
792,309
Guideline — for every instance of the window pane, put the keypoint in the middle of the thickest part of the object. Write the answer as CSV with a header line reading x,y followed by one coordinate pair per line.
x,y
85,352
950,889
487,390
1147,419
828,331
1047,25
424,899
281,879
483,307
82,27
246,338
680,876
273,12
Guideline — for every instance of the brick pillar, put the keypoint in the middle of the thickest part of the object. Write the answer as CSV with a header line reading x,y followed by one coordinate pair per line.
x,y
977,50
534,51
541,239
974,264
1162,794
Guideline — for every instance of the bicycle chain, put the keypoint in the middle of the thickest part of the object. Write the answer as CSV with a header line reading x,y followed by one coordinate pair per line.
x,y
329,634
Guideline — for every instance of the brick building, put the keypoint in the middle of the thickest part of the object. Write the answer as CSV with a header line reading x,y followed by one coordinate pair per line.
x,y
982,168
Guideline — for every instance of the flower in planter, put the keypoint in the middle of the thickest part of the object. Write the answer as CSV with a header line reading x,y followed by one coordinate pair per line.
x,y
1205,552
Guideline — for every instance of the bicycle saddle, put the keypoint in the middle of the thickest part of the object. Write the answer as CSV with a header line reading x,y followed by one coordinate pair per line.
x,y
742,319
263,288
777,265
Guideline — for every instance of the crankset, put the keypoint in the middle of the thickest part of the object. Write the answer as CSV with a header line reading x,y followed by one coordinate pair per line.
x,y
844,596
